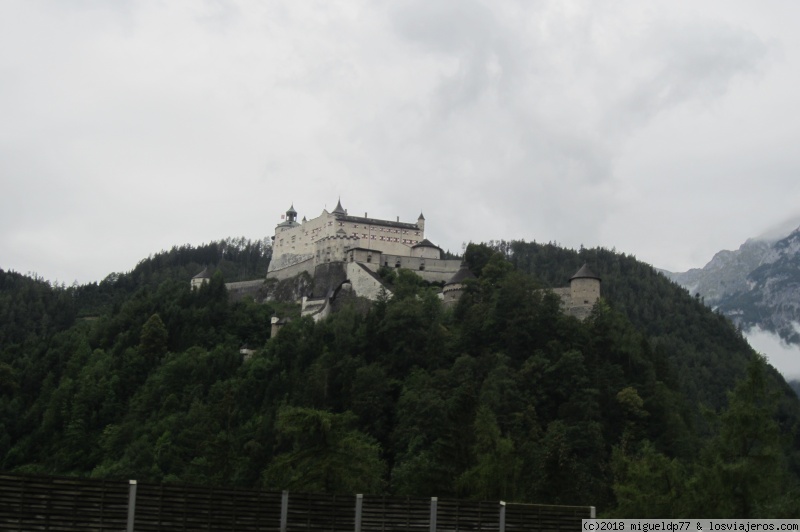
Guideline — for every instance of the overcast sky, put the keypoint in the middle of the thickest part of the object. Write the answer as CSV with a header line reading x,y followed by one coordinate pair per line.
x,y
666,130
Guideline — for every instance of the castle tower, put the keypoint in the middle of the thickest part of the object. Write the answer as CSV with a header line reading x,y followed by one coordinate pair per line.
x,y
201,278
421,222
584,288
291,215
454,288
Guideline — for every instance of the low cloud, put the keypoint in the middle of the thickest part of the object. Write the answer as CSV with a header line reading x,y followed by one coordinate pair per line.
x,y
784,357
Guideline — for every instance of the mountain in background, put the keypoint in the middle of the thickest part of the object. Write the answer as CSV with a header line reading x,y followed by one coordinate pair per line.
x,y
758,285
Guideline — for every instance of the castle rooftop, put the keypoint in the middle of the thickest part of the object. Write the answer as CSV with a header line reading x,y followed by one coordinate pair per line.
x,y
375,221
584,273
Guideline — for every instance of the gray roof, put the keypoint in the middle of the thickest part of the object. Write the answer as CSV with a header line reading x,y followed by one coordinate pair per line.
x,y
420,216
426,244
584,273
461,275
339,209
291,210
205,274
373,221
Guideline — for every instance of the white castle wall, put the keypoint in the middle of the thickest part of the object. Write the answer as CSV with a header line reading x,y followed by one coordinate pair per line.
x,y
363,281
302,239
287,272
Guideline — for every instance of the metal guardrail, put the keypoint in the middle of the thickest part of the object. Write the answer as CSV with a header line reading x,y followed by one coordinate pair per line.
x,y
32,503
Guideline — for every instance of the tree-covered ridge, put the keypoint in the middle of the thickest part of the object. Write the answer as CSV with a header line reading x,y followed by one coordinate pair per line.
x,y
238,259
502,397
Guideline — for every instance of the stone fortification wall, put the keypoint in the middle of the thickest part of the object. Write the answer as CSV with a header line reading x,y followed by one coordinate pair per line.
x,y
333,248
364,282
579,298
585,291
581,311
432,270
565,294
256,289
303,264
287,259
318,309
439,270
426,252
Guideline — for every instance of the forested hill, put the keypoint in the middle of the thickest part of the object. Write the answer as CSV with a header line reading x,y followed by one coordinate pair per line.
x,y
237,259
652,407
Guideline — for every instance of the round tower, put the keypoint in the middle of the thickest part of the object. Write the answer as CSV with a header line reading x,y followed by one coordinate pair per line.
x,y
584,288
454,288
291,215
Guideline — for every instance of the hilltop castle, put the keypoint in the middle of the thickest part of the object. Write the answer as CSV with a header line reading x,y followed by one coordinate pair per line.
x,y
343,254
341,251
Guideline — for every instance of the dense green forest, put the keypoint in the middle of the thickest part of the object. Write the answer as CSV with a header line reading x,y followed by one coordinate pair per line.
x,y
654,406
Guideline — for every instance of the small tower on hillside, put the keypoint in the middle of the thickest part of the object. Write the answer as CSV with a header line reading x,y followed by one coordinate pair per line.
x,y
584,289
421,222
201,278
454,288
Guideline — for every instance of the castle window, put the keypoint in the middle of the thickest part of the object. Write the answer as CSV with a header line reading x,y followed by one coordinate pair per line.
x,y
422,266
369,258
397,264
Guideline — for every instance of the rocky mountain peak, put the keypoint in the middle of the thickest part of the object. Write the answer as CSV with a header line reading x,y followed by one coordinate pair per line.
x,y
755,285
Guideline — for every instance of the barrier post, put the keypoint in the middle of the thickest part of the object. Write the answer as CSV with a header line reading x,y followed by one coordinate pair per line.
x,y
359,506
284,510
131,504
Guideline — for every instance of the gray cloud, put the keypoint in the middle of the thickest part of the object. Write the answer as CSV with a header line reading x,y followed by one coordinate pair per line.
x,y
132,126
